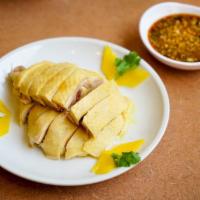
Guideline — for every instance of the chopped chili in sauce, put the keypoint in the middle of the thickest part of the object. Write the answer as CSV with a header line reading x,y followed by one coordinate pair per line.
x,y
177,37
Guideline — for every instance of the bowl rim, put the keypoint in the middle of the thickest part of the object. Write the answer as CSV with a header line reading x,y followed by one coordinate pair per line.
x,y
159,56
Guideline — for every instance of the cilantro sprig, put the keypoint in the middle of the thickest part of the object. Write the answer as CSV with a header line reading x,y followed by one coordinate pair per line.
x,y
129,61
126,159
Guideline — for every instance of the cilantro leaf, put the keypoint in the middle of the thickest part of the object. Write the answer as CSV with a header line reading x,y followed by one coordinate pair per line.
x,y
129,61
126,159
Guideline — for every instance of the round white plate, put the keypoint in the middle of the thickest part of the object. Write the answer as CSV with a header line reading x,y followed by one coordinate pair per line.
x,y
150,117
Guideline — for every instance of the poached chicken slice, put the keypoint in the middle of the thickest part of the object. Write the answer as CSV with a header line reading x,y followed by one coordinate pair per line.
x,y
74,147
39,121
57,136
79,109
72,89
95,146
19,75
24,110
104,111
39,82
27,82
51,87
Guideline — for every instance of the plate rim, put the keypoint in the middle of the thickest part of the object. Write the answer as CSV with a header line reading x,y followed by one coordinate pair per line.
x,y
117,172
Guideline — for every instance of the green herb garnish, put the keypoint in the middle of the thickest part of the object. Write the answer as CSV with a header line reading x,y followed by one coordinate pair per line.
x,y
126,159
129,61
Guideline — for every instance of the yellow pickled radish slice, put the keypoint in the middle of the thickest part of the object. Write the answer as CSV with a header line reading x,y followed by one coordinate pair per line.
x,y
104,164
133,77
4,119
4,125
108,63
3,108
127,147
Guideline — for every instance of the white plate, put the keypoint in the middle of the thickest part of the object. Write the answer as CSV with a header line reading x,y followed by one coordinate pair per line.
x,y
150,118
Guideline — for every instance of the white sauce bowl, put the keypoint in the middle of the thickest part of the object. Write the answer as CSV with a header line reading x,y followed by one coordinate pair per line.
x,y
157,12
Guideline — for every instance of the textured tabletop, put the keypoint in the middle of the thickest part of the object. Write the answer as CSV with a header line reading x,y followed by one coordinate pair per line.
x,y
172,171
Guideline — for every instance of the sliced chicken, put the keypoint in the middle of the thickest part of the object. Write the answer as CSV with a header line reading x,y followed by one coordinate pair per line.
x,y
97,110
12,76
51,87
39,121
57,136
55,85
95,146
27,82
15,73
39,82
104,111
127,115
36,112
74,147
20,74
24,110
79,109
75,87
